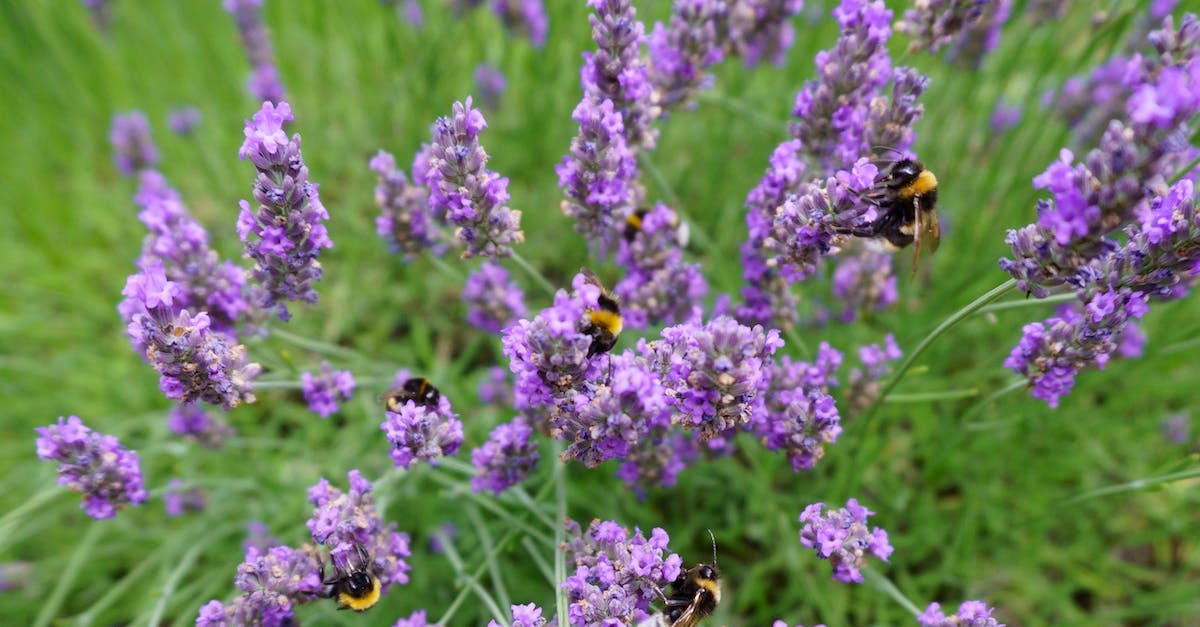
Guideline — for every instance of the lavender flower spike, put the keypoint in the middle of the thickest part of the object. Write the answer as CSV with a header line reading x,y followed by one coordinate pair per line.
x,y
506,459
345,521
194,361
615,576
419,432
617,72
599,175
682,53
970,614
528,615
287,231
193,423
405,220
713,373
495,301
264,78
133,148
759,29
464,190
324,392
525,17
108,476
842,537
272,583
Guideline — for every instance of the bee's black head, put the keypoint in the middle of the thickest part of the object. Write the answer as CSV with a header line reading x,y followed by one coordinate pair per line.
x,y
904,172
708,572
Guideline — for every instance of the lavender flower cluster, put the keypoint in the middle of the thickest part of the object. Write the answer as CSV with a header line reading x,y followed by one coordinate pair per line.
x,y
272,582
842,537
969,614
969,28
406,220
494,300
108,476
324,392
464,191
508,456
194,423
616,576
347,521
264,83
659,286
133,148
421,432
524,17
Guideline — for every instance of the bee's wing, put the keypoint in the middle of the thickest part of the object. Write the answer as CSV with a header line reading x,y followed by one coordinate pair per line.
x,y
689,618
927,231
591,277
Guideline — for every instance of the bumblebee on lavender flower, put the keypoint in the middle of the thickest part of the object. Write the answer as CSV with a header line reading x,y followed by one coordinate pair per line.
x,y
603,324
355,588
416,389
694,596
905,193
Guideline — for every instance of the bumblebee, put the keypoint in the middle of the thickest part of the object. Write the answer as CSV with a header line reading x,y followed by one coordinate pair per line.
x,y
633,224
417,389
602,324
356,589
694,596
906,195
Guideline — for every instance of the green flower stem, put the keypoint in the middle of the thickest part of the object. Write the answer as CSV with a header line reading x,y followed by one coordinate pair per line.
x,y
539,561
65,578
926,397
744,110
883,583
317,346
1011,387
1134,486
486,541
535,274
275,385
560,556
1028,302
472,581
16,517
486,502
703,239
184,564
941,329
793,336
447,269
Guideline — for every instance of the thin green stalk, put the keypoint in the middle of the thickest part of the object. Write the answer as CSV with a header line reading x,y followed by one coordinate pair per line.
x,y
793,336
485,538
659,179
17,515
317,346
1029,302
538,560
446,269
1185,169
259,386
883,583
489,504
118,589
750,113
534,274
471,582
528,502
1133,486
560,556
941,329
66,577
184,565
926,397
1011,387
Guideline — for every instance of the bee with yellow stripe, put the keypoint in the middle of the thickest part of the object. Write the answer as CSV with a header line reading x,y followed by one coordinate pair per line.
x,y
694,596
358,588
603,324
906,195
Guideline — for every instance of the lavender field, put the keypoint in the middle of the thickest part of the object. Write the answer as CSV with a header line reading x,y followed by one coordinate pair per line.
x,y
575,312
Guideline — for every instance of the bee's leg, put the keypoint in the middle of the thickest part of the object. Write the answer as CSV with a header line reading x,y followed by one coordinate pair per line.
x,y
863,231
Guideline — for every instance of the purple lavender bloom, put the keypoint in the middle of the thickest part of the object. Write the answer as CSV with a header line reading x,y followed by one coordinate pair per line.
x,y
194,361
866,382
14,575
617,72
405,220
462,188
272,582
863,282
1004,117
95,465
831,112
524,17
970,614
506,458
417,432
1176,428
661,454
183,120
287,231
263,83
801,417
616,577
194,423
659,287
934,24
491,84
416,619
714,373
258,537
981,35
529,615
324,392
766,297
807,225
346,520
549,354
1051,353
412,12
495,388
493,299
599,175
178,501
681,53
607,420
133,148
759,29
101,12
842,537
180,243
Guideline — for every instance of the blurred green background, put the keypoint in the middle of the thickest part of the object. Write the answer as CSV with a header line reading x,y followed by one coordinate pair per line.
x,y
974,492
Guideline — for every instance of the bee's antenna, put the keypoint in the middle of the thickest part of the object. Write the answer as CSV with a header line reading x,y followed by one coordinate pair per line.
x,y
714,542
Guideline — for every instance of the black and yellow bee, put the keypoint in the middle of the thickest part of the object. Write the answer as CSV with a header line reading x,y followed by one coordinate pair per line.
x,y
603,324
694,596
355,589
906,195
417,389
633,224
